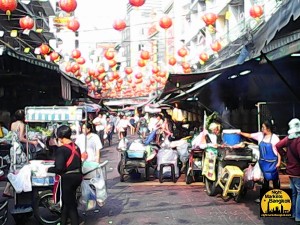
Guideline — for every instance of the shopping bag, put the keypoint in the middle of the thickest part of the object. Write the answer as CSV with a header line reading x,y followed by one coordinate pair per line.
x,y
87,200
257,173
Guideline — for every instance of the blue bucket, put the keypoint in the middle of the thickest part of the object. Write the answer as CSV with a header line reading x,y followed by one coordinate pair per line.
x,y
231,137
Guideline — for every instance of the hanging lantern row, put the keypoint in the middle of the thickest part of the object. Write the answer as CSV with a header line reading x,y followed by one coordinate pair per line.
x,y
68,5
256,11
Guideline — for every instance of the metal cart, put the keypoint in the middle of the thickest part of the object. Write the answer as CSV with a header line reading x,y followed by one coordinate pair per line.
x,y
25,202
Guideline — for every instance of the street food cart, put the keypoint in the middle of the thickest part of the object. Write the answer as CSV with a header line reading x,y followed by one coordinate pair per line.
x,y
26,202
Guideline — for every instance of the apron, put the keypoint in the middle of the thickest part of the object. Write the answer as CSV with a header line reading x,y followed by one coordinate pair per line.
x,y
268,160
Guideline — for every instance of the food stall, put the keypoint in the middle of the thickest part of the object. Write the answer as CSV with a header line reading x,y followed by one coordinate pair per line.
x,y
26,195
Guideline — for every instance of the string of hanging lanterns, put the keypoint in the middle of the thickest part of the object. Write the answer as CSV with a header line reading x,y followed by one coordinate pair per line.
x,y
101,80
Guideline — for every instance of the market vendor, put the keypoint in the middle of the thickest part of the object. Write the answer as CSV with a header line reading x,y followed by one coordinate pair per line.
x,y
269,159
68,166
210,140
212,136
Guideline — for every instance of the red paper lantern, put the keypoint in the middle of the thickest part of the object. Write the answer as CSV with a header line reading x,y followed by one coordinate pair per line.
x,y
44,49
112,63
80,60
54,56
145,55
162,74
101,69
73,25
185,65
119,25
68,68
26,23
182,52
91,72
216,46
256,11
204,56
138,75
88,80
209,18
75,67
172,61
138,81
76,54
8,6
165,22
68,5
116,75
136,3
155,69
141,63
109,54
128,70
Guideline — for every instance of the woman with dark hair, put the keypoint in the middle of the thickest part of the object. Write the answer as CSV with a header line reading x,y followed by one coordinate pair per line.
x,y
18,127
89,142
269,160
68,166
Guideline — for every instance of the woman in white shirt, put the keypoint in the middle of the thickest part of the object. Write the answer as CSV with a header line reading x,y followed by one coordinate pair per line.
x,y
90,143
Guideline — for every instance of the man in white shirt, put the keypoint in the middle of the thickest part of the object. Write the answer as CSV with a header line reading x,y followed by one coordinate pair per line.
x,y
100,124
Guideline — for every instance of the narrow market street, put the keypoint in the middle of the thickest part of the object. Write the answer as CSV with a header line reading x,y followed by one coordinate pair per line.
x,y
139,202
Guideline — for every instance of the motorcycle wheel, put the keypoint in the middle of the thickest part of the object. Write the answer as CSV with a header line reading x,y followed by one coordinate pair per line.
x,y
188,175
45,211
210,187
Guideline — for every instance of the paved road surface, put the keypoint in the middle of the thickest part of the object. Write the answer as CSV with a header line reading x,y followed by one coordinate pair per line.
x,y
137,202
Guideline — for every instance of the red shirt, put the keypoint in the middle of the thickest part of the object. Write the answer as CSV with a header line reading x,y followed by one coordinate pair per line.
x,y
292,153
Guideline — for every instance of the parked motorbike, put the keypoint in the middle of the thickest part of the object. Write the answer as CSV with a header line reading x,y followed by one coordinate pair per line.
x,y
229,167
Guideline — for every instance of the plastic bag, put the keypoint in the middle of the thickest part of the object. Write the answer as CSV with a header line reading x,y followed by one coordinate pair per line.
x,y
123,144
167,156
257,173
182,149
248,173
100,187
87,199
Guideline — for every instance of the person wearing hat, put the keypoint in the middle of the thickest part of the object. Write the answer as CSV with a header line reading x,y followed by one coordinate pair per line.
x,y
292,145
